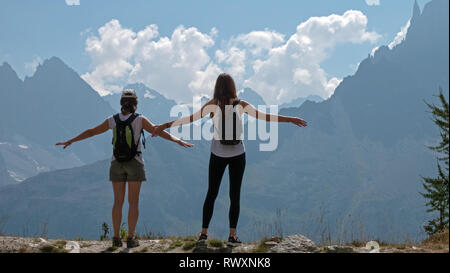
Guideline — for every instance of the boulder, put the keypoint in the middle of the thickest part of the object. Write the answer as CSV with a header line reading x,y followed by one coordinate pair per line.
x,y
72,247
295,244
339,249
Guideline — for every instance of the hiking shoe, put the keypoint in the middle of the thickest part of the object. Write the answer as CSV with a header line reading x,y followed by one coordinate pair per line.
x,y
233,240
117,242
201,243
202,237
132,242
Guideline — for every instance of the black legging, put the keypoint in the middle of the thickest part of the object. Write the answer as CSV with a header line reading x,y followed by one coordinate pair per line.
x,y
217,167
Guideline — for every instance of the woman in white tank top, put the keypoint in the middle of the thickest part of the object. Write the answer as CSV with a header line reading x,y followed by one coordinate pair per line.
x,y
219,149
227,149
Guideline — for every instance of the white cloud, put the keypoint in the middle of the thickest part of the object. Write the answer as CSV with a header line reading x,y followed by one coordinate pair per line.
x,y
85,32
31,67
302,76
214,32
373,2
259,41
234,61
73,2
293,69
176,65
203,81
180,67
400,36
332,84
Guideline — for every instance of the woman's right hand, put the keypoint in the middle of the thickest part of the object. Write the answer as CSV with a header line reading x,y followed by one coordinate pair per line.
x,y
299,122
65,143
184,143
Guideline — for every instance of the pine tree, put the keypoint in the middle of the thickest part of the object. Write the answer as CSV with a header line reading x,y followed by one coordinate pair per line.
x,y
437,189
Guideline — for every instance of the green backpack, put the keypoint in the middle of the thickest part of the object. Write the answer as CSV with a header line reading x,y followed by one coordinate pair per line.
x,y
124,145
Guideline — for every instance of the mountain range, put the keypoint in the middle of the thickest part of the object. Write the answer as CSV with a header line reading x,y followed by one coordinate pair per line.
x,y
27,140
52,105
299,101
353,173
151,103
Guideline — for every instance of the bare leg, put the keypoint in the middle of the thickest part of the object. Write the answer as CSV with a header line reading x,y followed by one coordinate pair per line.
x,y
232,232
134,189
205,231
119,196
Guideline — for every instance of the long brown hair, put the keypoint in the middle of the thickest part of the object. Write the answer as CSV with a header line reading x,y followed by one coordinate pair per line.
x,y
129,105
224,90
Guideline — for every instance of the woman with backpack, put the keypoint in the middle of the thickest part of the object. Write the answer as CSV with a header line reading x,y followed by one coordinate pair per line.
x,y
226,147
127,164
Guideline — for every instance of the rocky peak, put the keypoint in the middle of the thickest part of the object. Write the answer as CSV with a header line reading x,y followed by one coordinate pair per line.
x,y
416,12
7,72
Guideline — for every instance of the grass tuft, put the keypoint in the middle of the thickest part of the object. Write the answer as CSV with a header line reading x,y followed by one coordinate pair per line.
x,y
144,250
175,244
24,250
262,247
111,249
190,238
215,243
52,249
439,238
189,245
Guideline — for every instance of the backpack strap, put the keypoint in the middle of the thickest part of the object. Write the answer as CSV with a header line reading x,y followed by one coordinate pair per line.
x,y
128,121
131,119
223,124
143,138
117,118
236,102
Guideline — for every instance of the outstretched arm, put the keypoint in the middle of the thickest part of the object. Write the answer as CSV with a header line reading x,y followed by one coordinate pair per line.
x,y
100,129
205,110
252,111
149,127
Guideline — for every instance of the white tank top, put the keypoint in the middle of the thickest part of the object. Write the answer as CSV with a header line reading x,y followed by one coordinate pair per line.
x,y
220,149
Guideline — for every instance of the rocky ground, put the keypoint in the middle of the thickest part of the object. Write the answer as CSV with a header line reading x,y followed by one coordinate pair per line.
x,y
290,244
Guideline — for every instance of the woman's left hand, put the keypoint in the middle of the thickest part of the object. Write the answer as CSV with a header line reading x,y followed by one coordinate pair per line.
x,y
299,122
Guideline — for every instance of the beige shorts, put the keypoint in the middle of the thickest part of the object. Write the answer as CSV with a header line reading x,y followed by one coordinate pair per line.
x,y
131,170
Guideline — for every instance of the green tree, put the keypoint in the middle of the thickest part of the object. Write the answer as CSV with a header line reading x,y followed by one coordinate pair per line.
x,y
436,189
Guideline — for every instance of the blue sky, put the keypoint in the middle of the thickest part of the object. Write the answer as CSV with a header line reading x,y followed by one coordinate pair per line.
x,y
36,30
